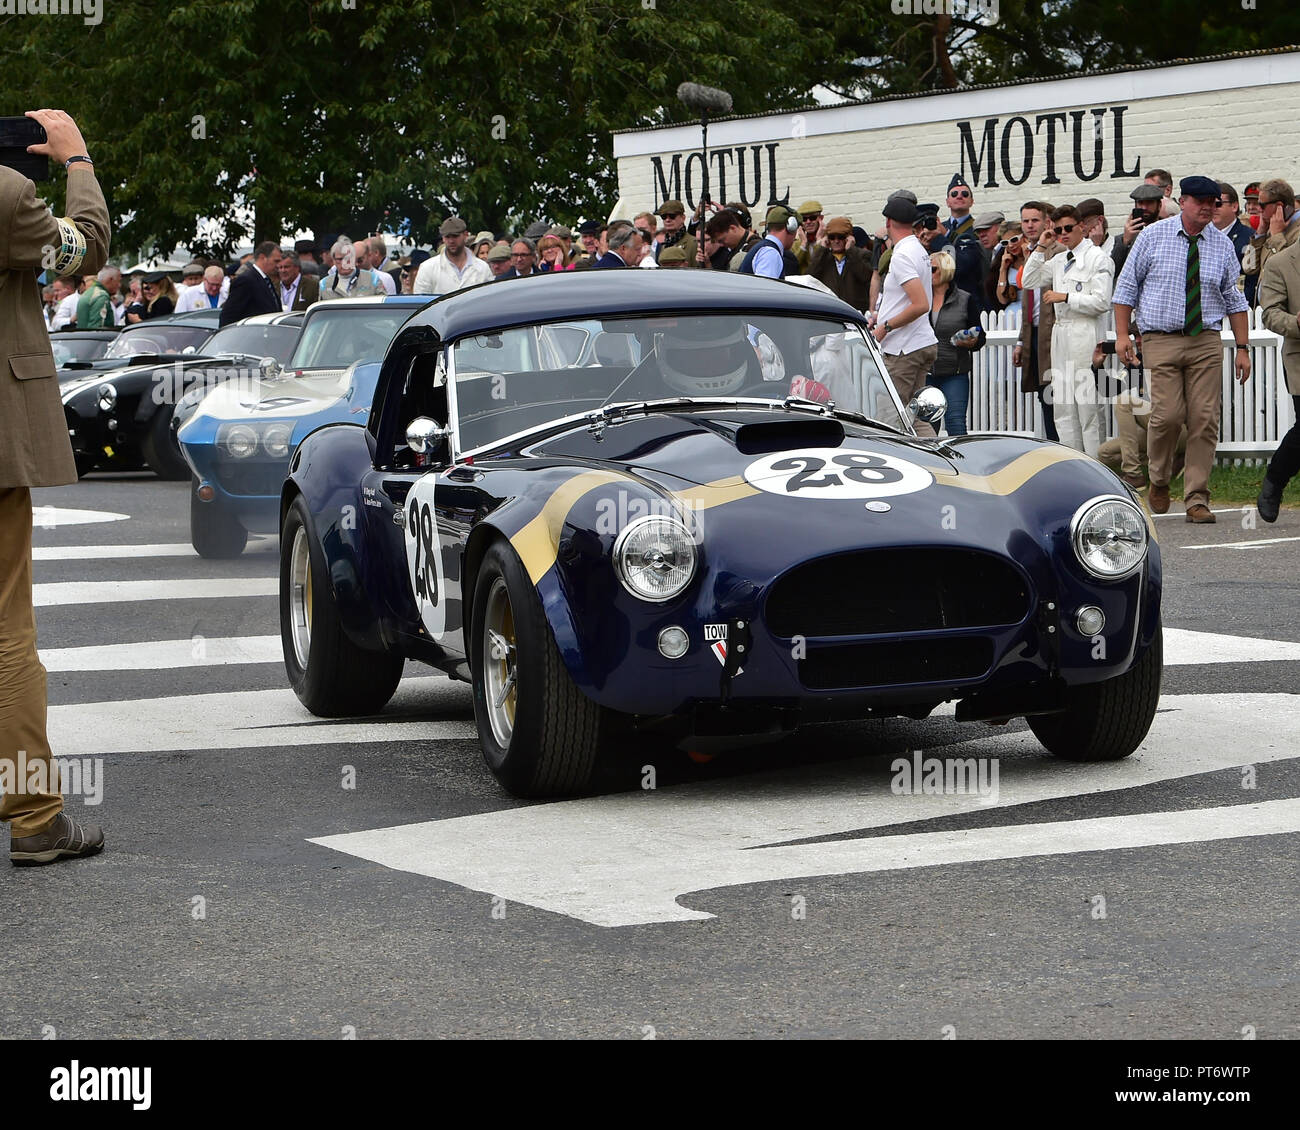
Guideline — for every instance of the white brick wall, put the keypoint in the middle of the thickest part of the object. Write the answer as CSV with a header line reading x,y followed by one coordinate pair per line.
x,y
1237,120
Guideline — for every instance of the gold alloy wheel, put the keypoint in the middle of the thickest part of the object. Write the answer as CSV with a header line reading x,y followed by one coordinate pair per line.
x,y
500,669
300,596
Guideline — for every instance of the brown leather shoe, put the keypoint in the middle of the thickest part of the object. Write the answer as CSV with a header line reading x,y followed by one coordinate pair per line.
x,y
1135,479
63,839
1158,498
1200,514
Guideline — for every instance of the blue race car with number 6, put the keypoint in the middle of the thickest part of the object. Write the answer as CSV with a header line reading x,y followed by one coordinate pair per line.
x,y
691,505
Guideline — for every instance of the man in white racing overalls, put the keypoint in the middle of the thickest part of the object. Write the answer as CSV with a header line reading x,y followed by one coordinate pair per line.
x,y
1079,283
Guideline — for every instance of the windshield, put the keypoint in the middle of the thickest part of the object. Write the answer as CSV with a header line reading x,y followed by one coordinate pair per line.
x,y
333,338
171,338
254,341
519,379
78,348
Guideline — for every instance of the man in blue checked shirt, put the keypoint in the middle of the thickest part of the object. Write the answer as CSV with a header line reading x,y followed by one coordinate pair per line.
x,y
1182,277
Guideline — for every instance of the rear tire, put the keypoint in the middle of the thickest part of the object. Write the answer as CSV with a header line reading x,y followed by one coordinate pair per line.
x,y
160,449
548,744
1106,721
213,532
331,675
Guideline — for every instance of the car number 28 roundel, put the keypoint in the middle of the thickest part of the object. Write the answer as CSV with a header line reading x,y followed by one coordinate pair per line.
x,y
836,473
424,558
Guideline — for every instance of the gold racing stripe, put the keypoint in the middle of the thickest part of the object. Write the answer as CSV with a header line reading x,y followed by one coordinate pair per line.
x,y
539,541
716,493
1014,475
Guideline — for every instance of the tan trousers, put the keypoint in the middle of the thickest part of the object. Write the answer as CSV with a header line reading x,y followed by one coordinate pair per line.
x,y
1186,384
22,677
1127,452
909,372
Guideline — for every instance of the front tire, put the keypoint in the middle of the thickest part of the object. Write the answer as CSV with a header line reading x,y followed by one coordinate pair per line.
x,y
540,735
213,532
1106,721
160,449
331,675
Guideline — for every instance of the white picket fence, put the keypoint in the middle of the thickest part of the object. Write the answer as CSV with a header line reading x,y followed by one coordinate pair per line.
x,y
1255,417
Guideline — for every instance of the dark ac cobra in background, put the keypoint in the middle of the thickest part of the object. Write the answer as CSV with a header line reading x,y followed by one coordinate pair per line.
x,y
119,411
694,507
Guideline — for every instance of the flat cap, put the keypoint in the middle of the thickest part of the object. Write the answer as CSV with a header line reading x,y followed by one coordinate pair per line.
x,y
903,194
499,254
453,225
900,210
674,254
839,225
1199,187
560,232
672,208
1150,192
536,230
192,269
777,214
988,220
810,207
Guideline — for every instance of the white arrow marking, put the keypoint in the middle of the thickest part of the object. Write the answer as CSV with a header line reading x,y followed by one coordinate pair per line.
x,y
1253,543
110,552
1182,647
51,517
160,655
626,859
109,592
249,719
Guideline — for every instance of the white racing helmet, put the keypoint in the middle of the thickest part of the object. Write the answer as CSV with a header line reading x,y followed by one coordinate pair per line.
x,y
708,356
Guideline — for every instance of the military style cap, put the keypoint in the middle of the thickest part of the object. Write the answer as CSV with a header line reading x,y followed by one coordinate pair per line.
x,y
958,181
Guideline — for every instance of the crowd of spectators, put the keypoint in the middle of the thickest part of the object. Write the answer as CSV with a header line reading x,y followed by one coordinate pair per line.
x,y
923,278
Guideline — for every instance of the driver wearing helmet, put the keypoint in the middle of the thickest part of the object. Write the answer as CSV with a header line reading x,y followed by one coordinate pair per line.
x,y
707,357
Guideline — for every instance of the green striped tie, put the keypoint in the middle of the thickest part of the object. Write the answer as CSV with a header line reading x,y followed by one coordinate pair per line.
x,y
1192,320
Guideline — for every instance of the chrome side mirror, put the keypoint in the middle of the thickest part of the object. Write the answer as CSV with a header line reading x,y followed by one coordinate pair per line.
x,y
269,368
929,405
423,434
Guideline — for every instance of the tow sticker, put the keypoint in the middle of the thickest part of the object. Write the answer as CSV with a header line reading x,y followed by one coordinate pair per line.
x,y
424,558
836,473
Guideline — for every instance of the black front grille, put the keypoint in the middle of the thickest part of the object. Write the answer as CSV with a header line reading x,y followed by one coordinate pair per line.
x,y
255,477
882,591
895,662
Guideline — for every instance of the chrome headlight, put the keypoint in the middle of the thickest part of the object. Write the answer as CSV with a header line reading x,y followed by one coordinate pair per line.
x,y
241,441
655,557
1109,535
106,397
276,440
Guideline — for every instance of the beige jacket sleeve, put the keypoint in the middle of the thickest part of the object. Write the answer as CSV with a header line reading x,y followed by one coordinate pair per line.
x,y
73,245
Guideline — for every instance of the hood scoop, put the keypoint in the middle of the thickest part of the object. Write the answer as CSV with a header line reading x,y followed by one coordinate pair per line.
x,y
767,436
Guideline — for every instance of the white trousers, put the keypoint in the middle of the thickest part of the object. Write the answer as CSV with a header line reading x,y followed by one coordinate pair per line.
x,y
1075,407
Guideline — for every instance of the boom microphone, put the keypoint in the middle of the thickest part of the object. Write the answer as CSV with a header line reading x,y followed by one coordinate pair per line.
x,y
704,99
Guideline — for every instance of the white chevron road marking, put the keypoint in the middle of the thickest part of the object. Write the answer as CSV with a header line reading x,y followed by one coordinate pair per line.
x,y
249,719
109,592
161,655
114,552
1184,647
626,859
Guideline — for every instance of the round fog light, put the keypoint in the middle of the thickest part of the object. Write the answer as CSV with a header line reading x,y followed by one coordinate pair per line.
x,y
206,492
673,643
1090,620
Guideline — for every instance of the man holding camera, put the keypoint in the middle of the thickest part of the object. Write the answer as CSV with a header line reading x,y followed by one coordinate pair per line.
x,y
35,452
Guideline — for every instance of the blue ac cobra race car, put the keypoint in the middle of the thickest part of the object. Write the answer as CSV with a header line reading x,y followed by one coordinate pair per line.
x,y
691,506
